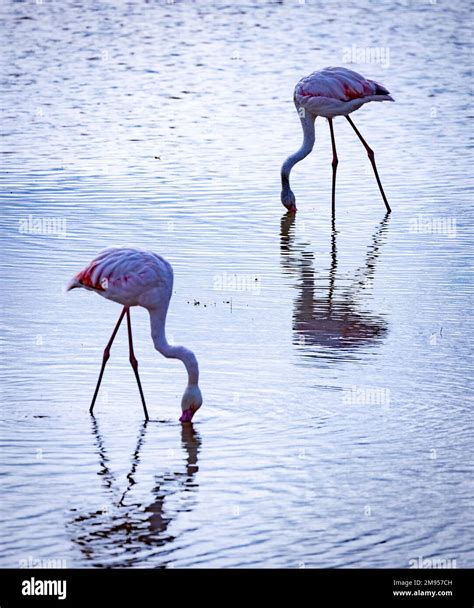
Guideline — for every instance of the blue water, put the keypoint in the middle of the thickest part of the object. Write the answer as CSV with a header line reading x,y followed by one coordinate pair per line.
x,y
336,429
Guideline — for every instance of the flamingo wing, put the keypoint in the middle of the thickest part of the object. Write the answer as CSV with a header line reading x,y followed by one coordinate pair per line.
x,y
338,84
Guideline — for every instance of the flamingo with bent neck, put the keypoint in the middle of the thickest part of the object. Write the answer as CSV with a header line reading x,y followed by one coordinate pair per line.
x,y
133,277
330,92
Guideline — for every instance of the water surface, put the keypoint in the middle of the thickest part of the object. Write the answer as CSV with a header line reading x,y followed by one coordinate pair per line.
x,y
336,429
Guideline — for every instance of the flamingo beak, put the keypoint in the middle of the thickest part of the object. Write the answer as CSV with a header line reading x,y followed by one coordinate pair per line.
x,y
187,415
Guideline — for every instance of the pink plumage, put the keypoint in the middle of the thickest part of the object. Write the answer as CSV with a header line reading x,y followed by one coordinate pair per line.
x,y
337,92
126,275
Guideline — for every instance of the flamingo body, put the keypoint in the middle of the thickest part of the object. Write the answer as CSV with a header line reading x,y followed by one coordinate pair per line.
x,y
127,276
337,92
132,277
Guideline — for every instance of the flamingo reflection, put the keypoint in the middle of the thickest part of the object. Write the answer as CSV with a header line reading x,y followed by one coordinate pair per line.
x,y
125,531
331,320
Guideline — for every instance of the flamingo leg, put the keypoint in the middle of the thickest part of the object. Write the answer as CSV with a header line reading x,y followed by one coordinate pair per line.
x,y
335,162
371,156
106,356
134,362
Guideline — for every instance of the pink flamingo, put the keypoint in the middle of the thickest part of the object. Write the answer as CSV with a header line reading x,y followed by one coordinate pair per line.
x,y
330,92
133,277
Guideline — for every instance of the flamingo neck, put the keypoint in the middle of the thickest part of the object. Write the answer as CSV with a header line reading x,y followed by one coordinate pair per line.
x,y
307,122
171,351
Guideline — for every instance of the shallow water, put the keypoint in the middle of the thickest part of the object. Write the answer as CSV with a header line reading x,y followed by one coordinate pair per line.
x,y
336,428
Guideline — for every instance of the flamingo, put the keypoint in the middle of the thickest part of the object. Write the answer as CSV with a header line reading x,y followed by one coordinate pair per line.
x,y
133,277
330,92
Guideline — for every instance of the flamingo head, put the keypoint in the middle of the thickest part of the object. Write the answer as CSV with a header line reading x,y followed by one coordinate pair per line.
x,y
288,199
191,402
